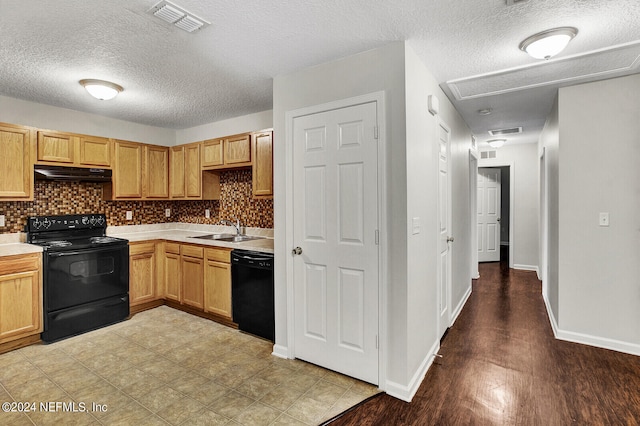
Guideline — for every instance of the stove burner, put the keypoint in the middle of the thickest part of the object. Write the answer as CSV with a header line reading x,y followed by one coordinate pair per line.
x,y
102,240
57,243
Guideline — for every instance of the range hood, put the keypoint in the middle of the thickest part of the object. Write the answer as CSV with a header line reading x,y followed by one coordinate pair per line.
x,y
71,174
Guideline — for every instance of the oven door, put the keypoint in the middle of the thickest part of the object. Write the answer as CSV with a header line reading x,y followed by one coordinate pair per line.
x,y
80,276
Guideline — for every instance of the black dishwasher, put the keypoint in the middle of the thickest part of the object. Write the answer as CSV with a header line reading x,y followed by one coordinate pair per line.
x,y
252,292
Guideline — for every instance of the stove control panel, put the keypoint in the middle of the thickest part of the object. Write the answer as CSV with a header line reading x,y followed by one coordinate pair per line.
x,y
65,222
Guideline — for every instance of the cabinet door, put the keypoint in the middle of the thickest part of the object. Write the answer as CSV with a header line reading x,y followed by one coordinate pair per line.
x,y
157,172
237,149
193,171
55,147
19,305
128,170
172,276
263,164
95,151
16,170
192,281
176,170
212,152
142,273
217,288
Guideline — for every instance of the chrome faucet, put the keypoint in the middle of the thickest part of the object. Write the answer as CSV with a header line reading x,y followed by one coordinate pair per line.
x,y
235,225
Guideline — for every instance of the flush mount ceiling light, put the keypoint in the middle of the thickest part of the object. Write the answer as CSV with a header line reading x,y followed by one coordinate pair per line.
x,y
549,43
496,143
100,89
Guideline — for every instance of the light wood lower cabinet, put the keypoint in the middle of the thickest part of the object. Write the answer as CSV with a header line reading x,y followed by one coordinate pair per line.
x,y
172,274
217,282
20,296
142,273
192,265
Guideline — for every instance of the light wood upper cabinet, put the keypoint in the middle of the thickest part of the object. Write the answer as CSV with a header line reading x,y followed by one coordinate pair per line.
x,y
213,152
68,149
217,282
127,172
56,147
176,170
142,273
20,296
16,168
262,164
193,171
237,149
95,151
156,176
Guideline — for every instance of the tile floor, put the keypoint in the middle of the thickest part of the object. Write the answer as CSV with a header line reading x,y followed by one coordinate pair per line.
x,y
165,366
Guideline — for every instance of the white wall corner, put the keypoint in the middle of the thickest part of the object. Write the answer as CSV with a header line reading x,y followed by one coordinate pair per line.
x,y
458,309
280,351
552,319
407,392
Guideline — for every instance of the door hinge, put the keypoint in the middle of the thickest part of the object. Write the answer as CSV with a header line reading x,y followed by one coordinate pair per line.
x,y
377,347
377,237
375,132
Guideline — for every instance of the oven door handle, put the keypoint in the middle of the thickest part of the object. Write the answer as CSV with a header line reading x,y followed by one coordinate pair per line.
x,y
78,252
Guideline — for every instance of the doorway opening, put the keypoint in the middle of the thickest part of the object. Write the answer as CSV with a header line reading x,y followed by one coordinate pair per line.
x,y
494,214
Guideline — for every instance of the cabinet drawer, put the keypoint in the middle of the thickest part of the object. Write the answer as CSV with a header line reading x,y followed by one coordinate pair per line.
x,y
193,251
172,248
219,255
20,263
141,248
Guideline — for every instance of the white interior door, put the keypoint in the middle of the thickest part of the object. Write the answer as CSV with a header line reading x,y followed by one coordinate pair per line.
x,y
489,214
335,190
445,238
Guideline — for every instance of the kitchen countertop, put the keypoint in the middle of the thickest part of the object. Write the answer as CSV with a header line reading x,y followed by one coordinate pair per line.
x,y
182,233
13,244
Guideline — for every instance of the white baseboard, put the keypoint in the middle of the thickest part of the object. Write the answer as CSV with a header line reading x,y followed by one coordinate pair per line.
x,y
526,267
588,339
280,351
458,308
406,393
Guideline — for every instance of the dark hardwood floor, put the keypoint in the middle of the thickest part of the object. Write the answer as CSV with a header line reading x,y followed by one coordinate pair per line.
x,y
502,365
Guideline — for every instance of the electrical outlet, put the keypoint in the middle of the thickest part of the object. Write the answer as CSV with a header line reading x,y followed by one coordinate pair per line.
x,y
167,212
1,220
207,213
129,215
604,219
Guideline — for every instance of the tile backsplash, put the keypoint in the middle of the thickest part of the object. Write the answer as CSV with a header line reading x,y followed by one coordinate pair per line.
x,y
56,198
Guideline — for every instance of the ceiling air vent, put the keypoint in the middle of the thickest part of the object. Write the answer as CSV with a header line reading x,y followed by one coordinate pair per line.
x,y
512,2
488,154
177,16
501,132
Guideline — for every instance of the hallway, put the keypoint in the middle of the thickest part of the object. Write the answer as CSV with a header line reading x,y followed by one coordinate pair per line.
x,y
502,365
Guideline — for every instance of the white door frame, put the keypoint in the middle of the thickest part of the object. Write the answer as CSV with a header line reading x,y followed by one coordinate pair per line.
x,y
543,270
512,195
379,98
473,209
449,315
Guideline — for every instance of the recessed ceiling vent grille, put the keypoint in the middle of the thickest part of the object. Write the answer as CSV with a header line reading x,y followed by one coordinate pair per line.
x,y
177,16
512,2
500,132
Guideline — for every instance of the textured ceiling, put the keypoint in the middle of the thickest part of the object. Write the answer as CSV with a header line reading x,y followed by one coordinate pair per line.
x,y
177,80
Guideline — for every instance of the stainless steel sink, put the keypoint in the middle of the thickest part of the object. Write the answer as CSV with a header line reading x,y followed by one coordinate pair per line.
x,y
233,238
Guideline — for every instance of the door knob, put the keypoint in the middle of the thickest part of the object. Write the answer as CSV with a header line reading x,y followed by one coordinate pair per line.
x,y
296,251
498,219
449,239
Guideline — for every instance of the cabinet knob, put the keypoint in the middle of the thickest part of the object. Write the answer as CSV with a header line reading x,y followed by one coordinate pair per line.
x,y
296,251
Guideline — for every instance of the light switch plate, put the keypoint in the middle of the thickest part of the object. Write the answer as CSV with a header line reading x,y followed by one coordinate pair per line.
x,y
129,215
604,219
207,213
167,212
1,220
